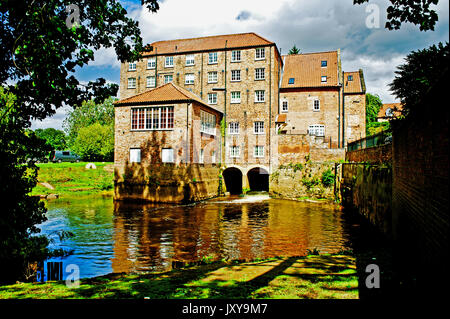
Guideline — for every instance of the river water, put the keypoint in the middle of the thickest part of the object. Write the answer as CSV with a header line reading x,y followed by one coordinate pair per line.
x,y
123,237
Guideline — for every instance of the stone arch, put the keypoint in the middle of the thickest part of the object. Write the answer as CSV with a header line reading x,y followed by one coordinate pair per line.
x,y
232,177
258,179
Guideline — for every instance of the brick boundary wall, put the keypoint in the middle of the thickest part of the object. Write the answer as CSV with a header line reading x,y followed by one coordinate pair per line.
x,y
374,155
420,182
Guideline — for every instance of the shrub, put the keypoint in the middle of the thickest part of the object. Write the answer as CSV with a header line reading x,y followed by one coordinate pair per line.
x,y
327,178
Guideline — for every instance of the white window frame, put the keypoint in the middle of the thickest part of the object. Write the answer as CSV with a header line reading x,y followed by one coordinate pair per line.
x,y
167,155
258,151
131,83
151,63
260,53
189,78
316,106
132,66
168,63
150,114
201,159
212,58
236,56
213,157
207,123
235,75
283,109
212,98
258,127
323,79
260,75
151,83
235,97
235,151
190,59
258,96
233,128
166,77
316,130
135,155
212,77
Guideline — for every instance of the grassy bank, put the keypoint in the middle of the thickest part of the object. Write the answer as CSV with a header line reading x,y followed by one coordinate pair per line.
x,y
317,277
74,178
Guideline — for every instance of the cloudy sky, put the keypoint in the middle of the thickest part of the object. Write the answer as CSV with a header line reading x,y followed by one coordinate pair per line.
x,y
319,25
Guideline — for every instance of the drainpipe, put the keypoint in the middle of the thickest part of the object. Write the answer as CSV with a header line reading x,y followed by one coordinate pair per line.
x,y
339,116
270,105
156,67
225,106
201,80
188,144
343,111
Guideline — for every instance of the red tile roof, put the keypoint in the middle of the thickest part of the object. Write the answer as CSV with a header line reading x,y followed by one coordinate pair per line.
x,y
239,40
395,107
306,70
165,93
356,85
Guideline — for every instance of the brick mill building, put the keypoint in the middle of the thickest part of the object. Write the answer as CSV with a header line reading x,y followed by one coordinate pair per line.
x,y
273,109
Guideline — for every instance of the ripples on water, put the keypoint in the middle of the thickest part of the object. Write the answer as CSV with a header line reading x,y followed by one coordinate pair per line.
x,y
124,237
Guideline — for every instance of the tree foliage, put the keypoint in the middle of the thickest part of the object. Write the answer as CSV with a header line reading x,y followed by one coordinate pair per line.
x,y
87,114
95,142
294,50
422,70
54,138
373,106
417,12
41,46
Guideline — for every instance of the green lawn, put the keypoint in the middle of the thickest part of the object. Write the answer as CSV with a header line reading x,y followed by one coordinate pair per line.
x,y
311,277
74,178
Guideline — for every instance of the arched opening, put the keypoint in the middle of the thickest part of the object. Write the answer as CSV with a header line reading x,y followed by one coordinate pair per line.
x,y
233,180
258,179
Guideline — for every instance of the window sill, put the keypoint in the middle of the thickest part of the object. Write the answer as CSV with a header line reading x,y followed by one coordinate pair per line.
x,y
260,79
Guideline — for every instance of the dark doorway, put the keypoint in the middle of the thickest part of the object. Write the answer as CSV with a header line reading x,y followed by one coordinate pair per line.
x,y
233,180
258,179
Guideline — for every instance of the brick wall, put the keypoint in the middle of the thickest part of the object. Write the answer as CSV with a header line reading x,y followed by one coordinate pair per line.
x,y
421,176
374,155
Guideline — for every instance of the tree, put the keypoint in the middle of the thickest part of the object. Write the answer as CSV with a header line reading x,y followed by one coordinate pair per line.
x,y
87,114
417,12
41,45
95,142
56,139
422,70
373,106
294,50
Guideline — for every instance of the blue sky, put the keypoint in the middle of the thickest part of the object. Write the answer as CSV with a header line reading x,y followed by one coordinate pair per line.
x,y
320,25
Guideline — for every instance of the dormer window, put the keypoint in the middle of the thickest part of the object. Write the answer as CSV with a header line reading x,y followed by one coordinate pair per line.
x,y
323,79
323,64
350,78
291,81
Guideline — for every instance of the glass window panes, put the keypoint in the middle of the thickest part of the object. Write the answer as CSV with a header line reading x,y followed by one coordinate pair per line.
x,y
235,151
236,97
169,61
132,66
258,127
260,96
168,78
152,118
258,151
212,98
189,78
135,155
235,75
316,106
151,81
151,63
317,130
208,123
212,77
284,106
131,83
260,53
236,56
212,58
233,128
259,74
190,59
167,155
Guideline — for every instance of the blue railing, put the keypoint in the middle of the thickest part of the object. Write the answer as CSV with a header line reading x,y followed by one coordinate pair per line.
x,y
378,139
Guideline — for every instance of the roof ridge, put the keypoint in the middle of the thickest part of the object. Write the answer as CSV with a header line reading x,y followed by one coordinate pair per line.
x,y
211,36
309,53
139,94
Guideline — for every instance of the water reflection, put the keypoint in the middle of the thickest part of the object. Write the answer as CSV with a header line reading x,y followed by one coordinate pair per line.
x,y
130,237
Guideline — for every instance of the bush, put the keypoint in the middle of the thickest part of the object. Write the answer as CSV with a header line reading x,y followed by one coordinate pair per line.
x,y
327,178
95,143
